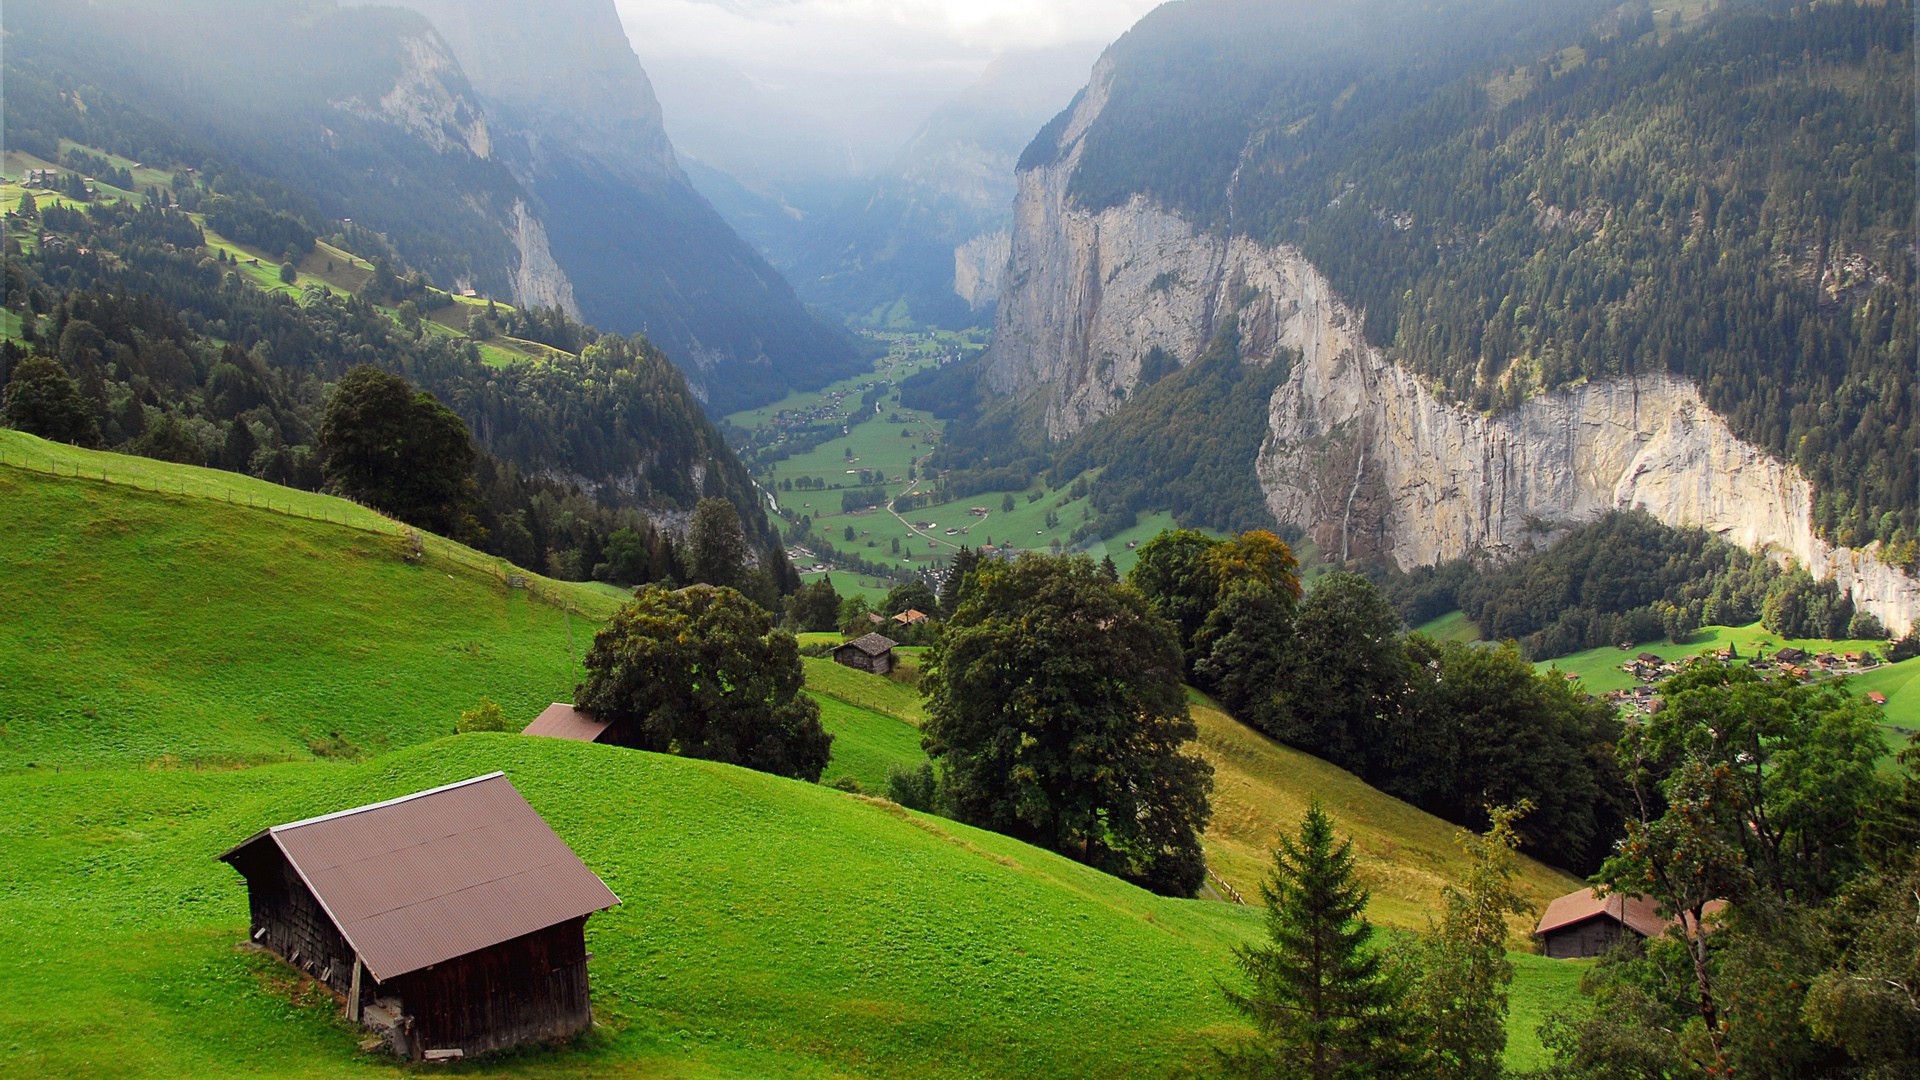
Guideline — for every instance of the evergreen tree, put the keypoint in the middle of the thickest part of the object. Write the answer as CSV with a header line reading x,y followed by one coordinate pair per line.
x,y
717,551
1323,1002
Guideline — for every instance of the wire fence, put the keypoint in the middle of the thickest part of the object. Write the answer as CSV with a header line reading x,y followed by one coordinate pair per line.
x,y
414,544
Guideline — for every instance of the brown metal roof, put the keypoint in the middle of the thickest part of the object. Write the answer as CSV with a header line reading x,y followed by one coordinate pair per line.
x,y
562,721
421,879
871,644
1637,913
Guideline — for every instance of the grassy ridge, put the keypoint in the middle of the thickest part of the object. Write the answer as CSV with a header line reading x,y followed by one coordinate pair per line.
x,y
172,628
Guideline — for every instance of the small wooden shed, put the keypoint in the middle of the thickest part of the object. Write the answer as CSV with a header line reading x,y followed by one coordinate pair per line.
x,y
451,921
871,653
1582,924
563,721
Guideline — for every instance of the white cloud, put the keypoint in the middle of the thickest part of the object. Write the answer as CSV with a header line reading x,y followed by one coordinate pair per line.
x,y
865,72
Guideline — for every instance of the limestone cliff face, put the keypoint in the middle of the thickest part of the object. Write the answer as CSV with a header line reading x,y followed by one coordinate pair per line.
x,y
979,268
538,281
1359,452
431,99
567,75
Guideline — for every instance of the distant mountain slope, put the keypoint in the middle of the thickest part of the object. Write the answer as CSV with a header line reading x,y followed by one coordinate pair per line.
x,y
1537,261
526,159
576,119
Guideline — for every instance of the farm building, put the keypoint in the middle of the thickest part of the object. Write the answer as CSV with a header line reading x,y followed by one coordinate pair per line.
x,y
451,921
911,617
562,721
1581,924
871,653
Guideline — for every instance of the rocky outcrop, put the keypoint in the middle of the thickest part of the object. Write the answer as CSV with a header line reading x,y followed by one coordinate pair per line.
x,y
538,281
979,267
1359,452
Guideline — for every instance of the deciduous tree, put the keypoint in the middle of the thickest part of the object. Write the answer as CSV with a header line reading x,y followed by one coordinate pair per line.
x,y
702,672
1056,712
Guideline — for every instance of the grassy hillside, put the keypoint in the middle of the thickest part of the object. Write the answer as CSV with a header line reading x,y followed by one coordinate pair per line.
x,y
154,627
1599,669
769,928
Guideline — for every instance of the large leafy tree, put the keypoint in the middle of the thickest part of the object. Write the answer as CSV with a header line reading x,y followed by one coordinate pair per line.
x,y
1752,791
1323,1002
1056,711
717,551
702,672
41,400
399,451
1351,674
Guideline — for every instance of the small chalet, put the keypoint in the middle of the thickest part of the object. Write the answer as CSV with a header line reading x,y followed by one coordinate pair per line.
x,y
910,617
1581,924
871,653
1790,655
451,921
1876,697
562,721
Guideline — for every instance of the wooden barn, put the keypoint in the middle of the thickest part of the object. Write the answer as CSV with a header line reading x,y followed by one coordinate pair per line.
x,y
451,921
562,721
1581,924
870,653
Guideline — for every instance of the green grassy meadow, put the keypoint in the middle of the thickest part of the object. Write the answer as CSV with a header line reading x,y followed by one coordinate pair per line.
x,y
172,629
179,668
1599,669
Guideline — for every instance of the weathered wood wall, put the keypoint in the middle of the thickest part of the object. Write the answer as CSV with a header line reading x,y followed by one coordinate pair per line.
x,y
532,987
874,665
297,929
1595,937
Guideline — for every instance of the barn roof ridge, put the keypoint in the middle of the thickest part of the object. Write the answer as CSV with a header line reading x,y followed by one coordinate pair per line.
x,y
383,804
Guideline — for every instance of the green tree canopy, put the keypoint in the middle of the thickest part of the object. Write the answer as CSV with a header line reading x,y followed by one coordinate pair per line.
x,y
1056,711
702,672
399,451
1322,1001
717,551
41,400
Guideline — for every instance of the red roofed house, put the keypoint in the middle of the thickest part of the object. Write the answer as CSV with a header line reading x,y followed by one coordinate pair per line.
x,y
452,921
562,721
1581,924
910,617
1876,697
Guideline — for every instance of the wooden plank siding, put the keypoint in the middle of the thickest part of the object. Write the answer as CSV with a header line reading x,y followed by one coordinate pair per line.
x,y
531,988
288,921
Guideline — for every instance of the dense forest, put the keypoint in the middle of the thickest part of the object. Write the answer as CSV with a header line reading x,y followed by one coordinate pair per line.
x,y
179,357
1627,578
1521,197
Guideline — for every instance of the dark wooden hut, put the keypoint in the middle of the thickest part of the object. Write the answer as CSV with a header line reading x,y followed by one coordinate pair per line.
x,y
562,721
1582,924
870,653
451,921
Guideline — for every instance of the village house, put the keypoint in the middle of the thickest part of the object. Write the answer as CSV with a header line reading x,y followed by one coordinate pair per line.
x,y
910,617
1582,924
870,653
452,922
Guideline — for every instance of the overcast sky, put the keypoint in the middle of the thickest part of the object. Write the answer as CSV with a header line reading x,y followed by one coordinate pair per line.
x,y
857,74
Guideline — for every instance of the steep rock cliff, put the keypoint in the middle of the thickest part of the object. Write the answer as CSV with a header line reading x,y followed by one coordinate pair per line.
x,y
1359,452
611,218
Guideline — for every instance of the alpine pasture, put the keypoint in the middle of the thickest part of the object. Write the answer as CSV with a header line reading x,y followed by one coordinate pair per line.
x,y
182,665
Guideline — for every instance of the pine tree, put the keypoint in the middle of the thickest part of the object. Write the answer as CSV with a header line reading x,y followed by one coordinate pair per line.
x,y
1323,1002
